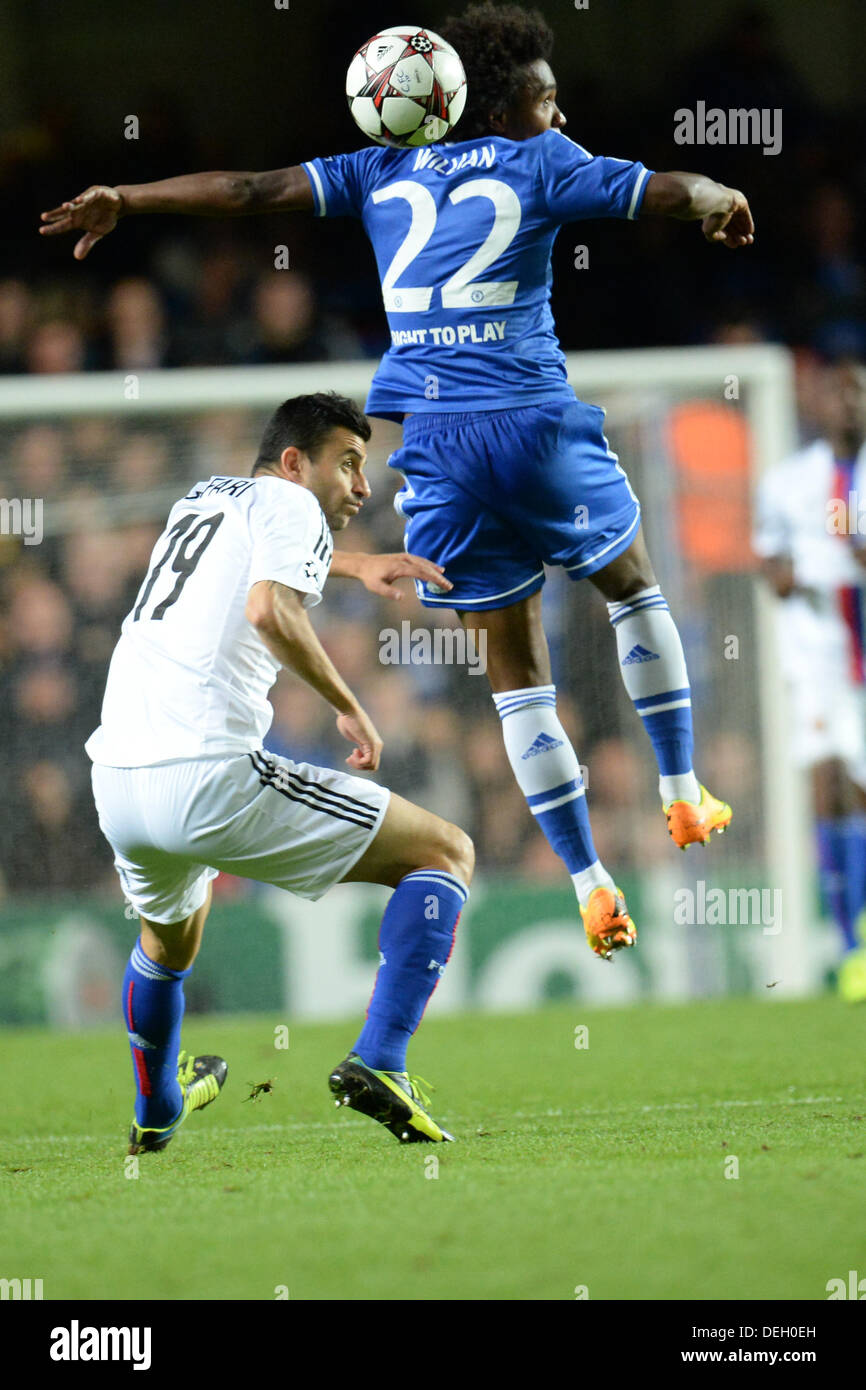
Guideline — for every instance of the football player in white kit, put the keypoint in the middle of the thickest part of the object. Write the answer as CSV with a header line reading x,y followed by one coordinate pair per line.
x,y
811,536
184,788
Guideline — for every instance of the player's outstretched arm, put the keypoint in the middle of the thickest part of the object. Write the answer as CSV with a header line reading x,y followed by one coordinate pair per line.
x,y
379,573
279,617
97,210
723,212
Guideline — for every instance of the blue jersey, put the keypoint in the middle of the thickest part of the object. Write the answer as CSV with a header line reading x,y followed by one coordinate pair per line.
x,y
463,235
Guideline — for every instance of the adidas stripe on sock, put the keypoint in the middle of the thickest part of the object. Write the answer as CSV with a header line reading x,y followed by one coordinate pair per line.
x,y
548,774
653,669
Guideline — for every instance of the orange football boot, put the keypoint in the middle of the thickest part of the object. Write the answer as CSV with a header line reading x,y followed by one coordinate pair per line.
x,y
606,922
692,824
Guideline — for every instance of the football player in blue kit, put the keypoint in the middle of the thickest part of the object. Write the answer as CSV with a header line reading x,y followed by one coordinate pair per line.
x,y
499,458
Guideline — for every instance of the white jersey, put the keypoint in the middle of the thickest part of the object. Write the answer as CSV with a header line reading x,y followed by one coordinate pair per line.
x,y
190,676
822,625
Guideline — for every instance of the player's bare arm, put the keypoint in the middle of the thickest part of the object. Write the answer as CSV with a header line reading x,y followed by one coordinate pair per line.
x,y
723,212
279,617
379,573
219,193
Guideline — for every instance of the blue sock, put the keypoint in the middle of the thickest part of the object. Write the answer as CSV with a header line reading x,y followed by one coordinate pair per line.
x,y
415,941
153,1008
855,868
832,872
653,669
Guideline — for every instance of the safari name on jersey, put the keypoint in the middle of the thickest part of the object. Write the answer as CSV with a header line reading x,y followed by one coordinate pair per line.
x,y
234,487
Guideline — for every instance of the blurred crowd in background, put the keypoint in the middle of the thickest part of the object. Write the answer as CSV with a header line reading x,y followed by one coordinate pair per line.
x,y
172,292
62,603
163,292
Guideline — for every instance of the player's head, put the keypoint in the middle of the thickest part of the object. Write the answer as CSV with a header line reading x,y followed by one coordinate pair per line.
x,y
318,442
843,402
506,52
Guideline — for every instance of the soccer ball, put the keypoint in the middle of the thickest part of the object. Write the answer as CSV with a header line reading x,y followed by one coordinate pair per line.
x,y
406,87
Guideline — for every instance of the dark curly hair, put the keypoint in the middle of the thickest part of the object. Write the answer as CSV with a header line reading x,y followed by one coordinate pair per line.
x,y
306,422
495,42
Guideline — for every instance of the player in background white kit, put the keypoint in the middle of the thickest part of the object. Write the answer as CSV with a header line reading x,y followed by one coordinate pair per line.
x,y
184,789
811,536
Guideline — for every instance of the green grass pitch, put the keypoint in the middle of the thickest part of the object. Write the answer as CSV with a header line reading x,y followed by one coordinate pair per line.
x,y
602,1167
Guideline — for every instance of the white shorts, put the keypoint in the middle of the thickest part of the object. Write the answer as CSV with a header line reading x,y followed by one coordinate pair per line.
x,y
175,826
829,718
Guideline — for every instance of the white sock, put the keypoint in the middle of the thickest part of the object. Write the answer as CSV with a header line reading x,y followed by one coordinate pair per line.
x,y
586,882
684,786
653,668
549,775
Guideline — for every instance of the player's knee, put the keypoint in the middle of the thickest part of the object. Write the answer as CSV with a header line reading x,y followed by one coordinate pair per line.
x,y
630,580
175,949
464,852
629,574
511,673
456,853
635,585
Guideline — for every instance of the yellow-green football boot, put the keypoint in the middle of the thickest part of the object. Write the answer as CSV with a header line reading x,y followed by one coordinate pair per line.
x,y
201,1080
393,1098
851,977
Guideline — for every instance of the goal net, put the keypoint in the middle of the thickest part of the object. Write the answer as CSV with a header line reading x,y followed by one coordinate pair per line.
x,y
89,466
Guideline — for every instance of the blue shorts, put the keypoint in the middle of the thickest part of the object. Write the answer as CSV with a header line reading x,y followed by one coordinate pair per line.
x,y
493,497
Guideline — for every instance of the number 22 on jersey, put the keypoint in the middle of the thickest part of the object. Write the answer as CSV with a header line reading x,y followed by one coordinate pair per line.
x,y
461,290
